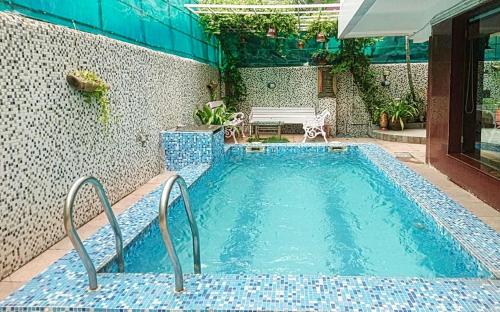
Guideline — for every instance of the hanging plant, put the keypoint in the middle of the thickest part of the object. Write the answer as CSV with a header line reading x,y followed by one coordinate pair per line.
x,y
300,44
320,37
94,90
321,30
271,32
220,25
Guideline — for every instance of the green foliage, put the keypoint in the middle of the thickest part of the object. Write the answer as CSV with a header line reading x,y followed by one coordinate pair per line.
x,y
327,28
99,96
209,116
257,24
225,26
417,100
351,58
273,139
322,56
236,90
401,110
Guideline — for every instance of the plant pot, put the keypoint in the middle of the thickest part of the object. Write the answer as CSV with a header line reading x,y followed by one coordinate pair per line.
x,y
320,37
395,125
322,62
384,121
497,118
81,84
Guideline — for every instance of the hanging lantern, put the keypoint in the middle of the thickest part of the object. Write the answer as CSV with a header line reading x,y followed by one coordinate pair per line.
x,y
271,32
320,37
300,44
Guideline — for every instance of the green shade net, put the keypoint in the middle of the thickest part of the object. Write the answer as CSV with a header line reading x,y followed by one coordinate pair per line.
x,y
260,51
163,25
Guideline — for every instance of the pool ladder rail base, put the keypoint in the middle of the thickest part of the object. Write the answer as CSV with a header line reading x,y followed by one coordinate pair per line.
x,y
165,233
70,228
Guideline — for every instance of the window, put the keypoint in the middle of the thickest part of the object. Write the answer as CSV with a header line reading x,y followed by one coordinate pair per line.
x,y
481,105
326,82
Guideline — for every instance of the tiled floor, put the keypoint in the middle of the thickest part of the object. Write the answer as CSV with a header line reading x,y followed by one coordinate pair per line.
x,y
412,154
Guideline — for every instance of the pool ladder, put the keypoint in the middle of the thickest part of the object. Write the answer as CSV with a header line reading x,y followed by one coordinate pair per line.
x,y
163,218
69,225
165,233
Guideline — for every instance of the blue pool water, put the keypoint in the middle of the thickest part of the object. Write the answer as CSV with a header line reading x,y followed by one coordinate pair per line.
x,y
304,213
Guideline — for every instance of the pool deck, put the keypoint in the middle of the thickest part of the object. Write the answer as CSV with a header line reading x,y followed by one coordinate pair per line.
x,y
413,156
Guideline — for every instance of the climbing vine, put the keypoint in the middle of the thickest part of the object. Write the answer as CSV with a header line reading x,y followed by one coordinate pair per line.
x,y
351,58
226,27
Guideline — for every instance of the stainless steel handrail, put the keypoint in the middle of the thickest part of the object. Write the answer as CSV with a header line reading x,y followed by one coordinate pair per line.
x,y
163,219
73,234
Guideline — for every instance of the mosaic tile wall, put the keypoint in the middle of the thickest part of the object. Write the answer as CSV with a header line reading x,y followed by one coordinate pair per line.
x,y
49,137
297,86
191,148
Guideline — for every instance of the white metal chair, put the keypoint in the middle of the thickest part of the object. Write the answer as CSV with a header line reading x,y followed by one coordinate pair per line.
x,y
315,126
236,121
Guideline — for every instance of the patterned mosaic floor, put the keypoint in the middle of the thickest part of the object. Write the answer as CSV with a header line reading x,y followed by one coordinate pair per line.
x,y
64,285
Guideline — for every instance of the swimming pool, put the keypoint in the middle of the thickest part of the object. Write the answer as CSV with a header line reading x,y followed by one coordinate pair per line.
x,y
328,213
64,285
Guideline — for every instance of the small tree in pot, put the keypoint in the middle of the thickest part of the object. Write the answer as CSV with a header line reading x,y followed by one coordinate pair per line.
x,y
399,112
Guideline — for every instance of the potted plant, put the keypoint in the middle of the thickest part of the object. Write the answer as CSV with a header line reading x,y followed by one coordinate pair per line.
x,y
95,91
321,31
383,116
399,112
322,57
208,116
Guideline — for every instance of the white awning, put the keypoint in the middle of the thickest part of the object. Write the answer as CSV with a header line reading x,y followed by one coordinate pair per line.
x,y
373,18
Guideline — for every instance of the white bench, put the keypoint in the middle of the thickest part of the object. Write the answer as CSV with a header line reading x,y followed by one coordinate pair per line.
x,y
306,116
285,115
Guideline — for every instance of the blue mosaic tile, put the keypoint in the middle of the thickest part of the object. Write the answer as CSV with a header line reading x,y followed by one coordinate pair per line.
x,y
64,285
183,149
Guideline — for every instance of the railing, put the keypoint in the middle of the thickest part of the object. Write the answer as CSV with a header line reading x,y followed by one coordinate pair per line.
x,y
73,234
163,219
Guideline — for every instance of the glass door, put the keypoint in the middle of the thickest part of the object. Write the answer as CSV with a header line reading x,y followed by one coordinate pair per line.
x,y
481,107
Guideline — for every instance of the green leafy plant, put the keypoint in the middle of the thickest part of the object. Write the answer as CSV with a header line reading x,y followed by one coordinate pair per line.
x,y
417,100
98,95
400,111
322,56
327,28
208,116
236,90
255,24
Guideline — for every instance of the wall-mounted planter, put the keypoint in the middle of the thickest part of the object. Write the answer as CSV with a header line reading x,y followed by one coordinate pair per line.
x,y
81,84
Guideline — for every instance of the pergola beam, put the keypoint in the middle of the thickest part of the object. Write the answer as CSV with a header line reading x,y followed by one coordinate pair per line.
x,y
305,13
296,9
